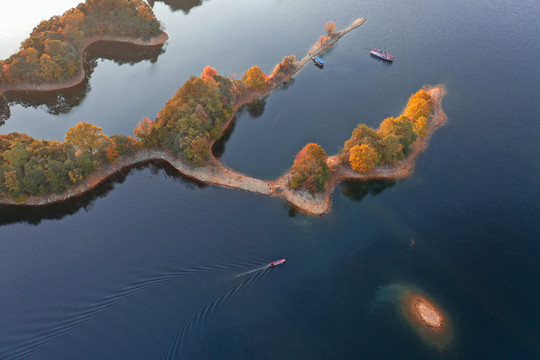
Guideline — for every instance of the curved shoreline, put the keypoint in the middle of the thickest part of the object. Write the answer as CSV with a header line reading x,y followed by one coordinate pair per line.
x,y
81,75
320,204
216,173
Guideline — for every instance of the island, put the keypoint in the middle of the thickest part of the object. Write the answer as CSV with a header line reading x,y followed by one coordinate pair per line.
x,y
426,318
38,172
52,57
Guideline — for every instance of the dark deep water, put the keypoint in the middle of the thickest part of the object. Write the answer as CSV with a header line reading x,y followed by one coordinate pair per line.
x,y
153,266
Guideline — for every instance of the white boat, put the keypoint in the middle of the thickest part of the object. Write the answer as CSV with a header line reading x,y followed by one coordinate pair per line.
x,y
382,55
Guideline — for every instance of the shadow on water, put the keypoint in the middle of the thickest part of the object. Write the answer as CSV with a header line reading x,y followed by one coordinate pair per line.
x,y
219,146
175,5
358,190
34,215
385,62
256,108
62,101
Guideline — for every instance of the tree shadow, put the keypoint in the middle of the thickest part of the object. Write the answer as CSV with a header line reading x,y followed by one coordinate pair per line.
x,y
175,5
11,214
62,101
256,108
219,146
358,190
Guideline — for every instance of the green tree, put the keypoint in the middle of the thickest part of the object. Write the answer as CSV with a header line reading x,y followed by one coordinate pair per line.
x,y
17,156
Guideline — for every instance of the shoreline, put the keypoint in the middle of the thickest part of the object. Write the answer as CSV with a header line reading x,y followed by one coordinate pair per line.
x,y
214,172
320,204
81,75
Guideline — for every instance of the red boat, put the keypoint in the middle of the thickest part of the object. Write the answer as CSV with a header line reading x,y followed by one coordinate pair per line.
x,y
276,263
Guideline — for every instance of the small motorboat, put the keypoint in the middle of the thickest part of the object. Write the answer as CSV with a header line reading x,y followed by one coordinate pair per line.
x,y
382,55
317,60
276,263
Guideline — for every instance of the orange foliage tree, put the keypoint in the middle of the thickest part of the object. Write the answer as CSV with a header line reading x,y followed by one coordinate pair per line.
x,y
208,74
363,158
330,27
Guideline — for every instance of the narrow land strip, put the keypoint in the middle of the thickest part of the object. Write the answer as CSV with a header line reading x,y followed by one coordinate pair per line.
x,y
77,79
218,174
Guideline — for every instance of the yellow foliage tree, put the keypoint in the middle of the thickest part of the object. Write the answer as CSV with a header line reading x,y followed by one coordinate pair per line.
x,y
255,78
419,104
420,126
363,158
86,137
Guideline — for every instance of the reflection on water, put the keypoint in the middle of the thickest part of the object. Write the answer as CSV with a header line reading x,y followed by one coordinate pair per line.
x,y
219,146
357,190
256,108
62,101
34,215
175,5
5,113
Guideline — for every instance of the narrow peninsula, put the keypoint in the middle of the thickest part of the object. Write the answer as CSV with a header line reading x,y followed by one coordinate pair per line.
x,y
45,172
52,57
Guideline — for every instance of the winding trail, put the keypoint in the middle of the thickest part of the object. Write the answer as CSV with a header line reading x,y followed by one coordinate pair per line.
x,y
77,79
214,172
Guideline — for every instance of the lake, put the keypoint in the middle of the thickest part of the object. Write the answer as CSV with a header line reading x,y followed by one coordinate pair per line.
x,y
154,266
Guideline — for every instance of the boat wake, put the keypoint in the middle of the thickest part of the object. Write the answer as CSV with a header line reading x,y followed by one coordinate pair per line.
x,y
195,318
251,271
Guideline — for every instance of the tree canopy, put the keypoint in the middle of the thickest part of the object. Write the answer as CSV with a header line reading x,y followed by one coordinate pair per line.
x,y
255,78
310,170
390,142
51,53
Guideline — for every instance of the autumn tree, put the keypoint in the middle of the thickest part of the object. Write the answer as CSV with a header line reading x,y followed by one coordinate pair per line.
x,y
86,137
330,27
11,181
310,170
144,132
362,134
208,74
419,104
420,126
256,78
363,158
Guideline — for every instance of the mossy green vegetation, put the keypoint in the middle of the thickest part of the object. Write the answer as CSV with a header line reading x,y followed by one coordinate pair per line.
x,y
389,143
310,170
51,53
